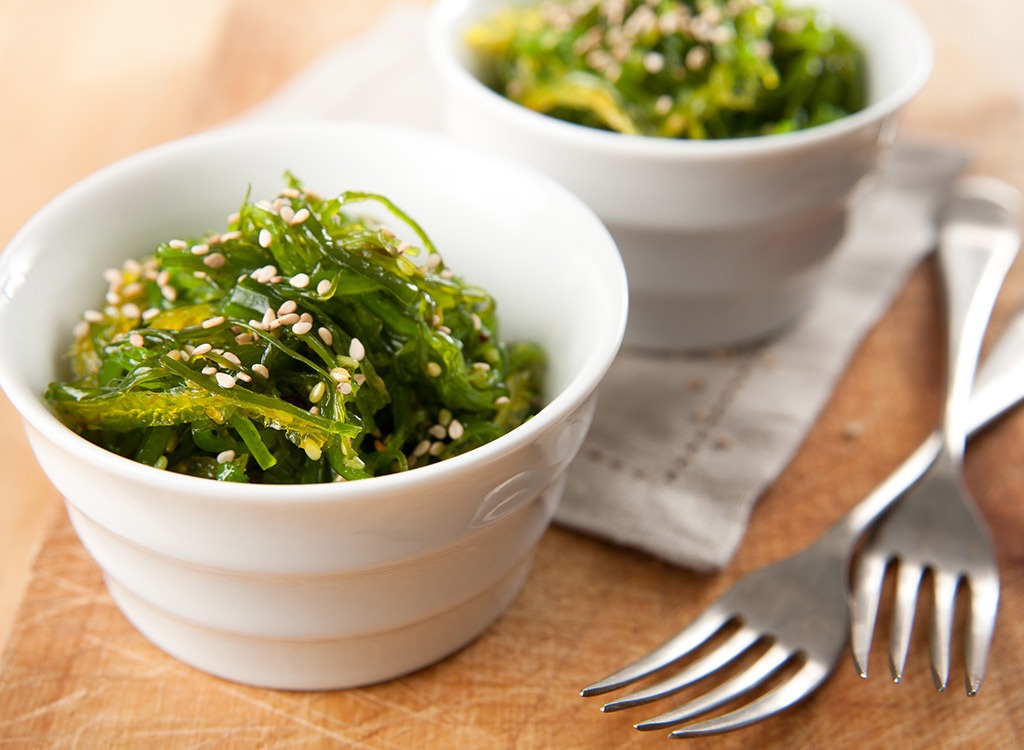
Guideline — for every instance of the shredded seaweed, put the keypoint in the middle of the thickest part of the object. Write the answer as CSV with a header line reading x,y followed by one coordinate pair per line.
x,y
698,69
305,343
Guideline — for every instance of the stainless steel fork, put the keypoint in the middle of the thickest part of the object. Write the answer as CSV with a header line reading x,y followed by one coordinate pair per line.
x,y
936,527
799,606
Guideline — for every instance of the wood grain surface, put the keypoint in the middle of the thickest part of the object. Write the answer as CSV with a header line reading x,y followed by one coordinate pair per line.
x,y
84,83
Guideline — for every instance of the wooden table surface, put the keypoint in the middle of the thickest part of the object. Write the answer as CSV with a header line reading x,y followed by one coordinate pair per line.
x,y
84,83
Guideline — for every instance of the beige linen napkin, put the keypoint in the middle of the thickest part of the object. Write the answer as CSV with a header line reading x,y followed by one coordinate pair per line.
x,y
682,446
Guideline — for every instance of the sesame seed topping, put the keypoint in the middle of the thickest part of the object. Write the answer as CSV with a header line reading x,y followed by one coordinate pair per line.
x,y
213,322
224,380
438,431
261,370
433,369
169,293
149,313
265,238
340,374
202,249
136,340
93,316
433,260
317,392
224,456
501,400
325,335
232,358
81,329
359,378
345,388
177,244
436,448
209,370
356,350
323,287
300,216
299,281
286,212
174,354
288,306
244,338
288,319
456,430
421,448
131,310
215,260
244,377
202,349
302,328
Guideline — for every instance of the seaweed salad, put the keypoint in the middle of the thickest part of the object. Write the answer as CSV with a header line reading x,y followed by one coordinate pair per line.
x,y
697,69
305,343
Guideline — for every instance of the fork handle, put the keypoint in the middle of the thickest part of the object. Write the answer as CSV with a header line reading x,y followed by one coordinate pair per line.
x,y
998,387
978,243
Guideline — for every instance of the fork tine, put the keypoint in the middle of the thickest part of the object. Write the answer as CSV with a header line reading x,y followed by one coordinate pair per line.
x,y
867,589
739,642
984,606
685,641
908,581
803,683
942,627
750,678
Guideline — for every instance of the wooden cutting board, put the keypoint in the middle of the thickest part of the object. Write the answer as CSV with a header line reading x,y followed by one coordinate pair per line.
x,y
98,79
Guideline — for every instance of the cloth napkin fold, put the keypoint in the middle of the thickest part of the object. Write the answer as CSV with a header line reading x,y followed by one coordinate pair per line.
x,y
675,467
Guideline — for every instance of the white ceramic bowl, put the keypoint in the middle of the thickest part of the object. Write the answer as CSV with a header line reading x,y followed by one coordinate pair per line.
x,y
724,241
321,586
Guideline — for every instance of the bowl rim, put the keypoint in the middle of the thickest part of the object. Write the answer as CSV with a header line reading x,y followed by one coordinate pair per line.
x,y
36,415
441,27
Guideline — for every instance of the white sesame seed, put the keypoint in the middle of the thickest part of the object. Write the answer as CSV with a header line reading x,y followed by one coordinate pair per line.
x,y
209,370
299,281
149,313
302,328
433,369
482,366
202,349
169,293
501,400
300,216
232,235
136,339
288,306
323,287
132,267
174,354
356,350
306,317
433,260
133,289
213,322
317,392
93,316
345,388
287,212
261,370
265,238
113,298
215,260
269,316
421,448
313,410
438,431
326,336
177,244
131,310
81,329
224,456
200,249
477,323
401,247
456,430
224,380
387,232
359,378
244,377
436,448
696,58
232,358
288,319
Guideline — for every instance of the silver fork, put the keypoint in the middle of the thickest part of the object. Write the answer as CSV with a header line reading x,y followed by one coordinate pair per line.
x,y
936,527
798,605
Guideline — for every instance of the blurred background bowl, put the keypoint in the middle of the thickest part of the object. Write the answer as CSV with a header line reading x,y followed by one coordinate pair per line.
x,y
724,241
319,586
